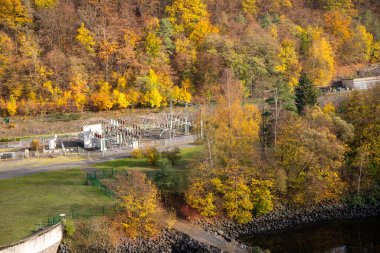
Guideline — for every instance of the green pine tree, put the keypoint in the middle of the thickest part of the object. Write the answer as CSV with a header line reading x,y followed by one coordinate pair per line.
x,y
306,93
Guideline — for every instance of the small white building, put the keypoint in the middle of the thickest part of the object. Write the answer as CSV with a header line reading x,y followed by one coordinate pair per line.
x,y
92,137
361,83
53,143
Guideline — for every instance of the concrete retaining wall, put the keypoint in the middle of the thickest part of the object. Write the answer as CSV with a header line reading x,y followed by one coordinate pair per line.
x,y
44,241
361,83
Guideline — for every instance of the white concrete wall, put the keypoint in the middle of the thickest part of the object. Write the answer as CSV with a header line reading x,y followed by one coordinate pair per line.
x,y
45,241
361,83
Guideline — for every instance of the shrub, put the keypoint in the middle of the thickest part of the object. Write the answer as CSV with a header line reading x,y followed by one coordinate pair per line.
x,y
69,227
173,155
11,125
93,235
152,155
137,153
165,178
35,145
189,212
164,163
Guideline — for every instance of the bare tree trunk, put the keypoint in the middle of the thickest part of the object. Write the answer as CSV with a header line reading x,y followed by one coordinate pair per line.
x,y
201,123
209,151
275,119
360,173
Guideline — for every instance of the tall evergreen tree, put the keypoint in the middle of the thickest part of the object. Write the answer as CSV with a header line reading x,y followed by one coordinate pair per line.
x,y
306,93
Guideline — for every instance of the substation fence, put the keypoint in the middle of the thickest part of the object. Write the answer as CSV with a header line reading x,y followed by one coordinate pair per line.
x,y
25,143
162,143
176,141
20,155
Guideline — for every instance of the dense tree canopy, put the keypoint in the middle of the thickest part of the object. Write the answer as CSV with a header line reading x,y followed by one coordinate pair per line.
x,y
188,45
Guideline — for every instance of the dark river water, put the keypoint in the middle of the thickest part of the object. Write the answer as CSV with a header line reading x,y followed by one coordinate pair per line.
x,y
344,236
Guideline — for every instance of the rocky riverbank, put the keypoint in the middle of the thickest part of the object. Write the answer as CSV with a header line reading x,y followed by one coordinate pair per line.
x,y
283,218
170,241
286,218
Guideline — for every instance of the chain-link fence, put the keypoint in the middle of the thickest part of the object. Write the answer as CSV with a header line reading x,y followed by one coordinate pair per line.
x,y
93,179
76,214
93,155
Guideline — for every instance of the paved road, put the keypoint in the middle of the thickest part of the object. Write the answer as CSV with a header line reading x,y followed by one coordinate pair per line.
x,y
23,170
197,233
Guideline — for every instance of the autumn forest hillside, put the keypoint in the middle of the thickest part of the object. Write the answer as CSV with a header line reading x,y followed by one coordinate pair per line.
x,y
75,55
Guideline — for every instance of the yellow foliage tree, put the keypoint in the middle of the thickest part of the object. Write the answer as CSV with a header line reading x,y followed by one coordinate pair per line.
x,y
13,13
311,155
185,15
364,41
153,45
358,47
11,106
319,64
336,4
45,3
198,197
64,99
375,52
222,184
237,201
86,38
120,99
273,31
201,29
261,196
229,191
289,63
307,36
338,23
102,99
153,98
6,47
186,48
139,199
78,89
183,93
133,96
329,108
249,7
233,129
28,46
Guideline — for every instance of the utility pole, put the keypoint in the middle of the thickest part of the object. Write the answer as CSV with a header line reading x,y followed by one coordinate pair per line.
x,y
186,120
201,123
171,118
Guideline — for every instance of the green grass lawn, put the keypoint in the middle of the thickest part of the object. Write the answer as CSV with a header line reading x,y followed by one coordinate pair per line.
x,y
180,171
28,200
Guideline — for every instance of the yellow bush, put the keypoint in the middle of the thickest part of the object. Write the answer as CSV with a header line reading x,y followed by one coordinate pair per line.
x,y
152,155
137,153
329,108
35,145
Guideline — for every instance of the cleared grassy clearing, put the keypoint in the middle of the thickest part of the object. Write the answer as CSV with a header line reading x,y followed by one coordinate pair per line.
x,y
27,201
35,162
